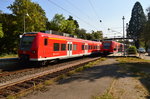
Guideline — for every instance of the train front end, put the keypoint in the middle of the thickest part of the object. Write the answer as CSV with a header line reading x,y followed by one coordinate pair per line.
x,y
28,47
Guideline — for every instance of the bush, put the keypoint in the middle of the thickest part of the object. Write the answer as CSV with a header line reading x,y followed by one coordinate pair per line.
x,y
132,50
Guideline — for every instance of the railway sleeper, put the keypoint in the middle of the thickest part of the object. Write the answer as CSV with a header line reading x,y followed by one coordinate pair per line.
x,y
31,82
15,89
6,92
47,77
24,85
39,80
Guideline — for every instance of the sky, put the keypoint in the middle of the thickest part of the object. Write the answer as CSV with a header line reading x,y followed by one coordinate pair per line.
x,y
88,13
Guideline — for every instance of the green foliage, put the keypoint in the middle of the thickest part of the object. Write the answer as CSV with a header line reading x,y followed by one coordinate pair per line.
x,y
67,26
9,42
1,31
75,21
136,23
146,32
98,35
13,24
55,23
71,26
81,33
4,55
59,23
34,15
132,50
104,96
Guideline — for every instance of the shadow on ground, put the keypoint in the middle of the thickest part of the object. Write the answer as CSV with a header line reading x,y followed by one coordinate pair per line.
x,y
112,70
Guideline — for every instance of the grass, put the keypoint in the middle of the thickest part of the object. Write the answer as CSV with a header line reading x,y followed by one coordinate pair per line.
x,y
11,97
104,96
139,68
48,82
8,55
135,65
131,60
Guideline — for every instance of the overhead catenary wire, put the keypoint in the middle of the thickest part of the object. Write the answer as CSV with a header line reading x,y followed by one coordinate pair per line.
x,y
78,9
96,14
71,14
100,21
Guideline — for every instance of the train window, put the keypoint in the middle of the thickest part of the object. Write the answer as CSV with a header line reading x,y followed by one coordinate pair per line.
x,y
63,47
86,47
106,45
75,47
26,42
98,47
82,47
70,46
93,47
45,41
56,46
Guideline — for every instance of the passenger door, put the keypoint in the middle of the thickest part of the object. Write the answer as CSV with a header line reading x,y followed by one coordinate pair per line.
x,y
69,49
86,48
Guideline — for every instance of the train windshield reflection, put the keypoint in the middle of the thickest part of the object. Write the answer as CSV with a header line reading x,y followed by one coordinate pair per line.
x,y
26,42
106,45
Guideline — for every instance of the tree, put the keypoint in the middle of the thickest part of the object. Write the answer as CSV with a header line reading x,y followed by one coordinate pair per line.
x,y
98,35
146,33
81,33
36,21
55,23
75,21
11,37
12,24
1,31
136,23
59,23
67,26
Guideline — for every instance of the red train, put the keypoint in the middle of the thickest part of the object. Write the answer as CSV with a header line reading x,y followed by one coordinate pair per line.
x,y
43,47
110,47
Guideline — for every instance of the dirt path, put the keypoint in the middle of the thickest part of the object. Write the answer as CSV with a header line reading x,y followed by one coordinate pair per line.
x,y
128,88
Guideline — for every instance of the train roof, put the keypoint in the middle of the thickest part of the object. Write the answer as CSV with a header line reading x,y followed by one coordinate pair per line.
x,y
112,41
61,37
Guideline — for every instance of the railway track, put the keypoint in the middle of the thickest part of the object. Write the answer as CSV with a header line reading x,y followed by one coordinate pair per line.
x,y
28,82
5,76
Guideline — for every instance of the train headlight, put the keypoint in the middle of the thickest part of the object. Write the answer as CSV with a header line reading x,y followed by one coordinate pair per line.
x,y
33,52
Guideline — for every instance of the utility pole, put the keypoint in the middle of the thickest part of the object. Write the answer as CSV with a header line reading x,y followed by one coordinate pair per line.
x,y
24,22
123,18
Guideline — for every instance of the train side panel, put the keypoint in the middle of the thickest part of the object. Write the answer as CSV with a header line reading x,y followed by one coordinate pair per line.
x,y
44,47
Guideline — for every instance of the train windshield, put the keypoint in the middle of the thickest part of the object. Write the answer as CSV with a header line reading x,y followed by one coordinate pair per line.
x,y
26,42
106,45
